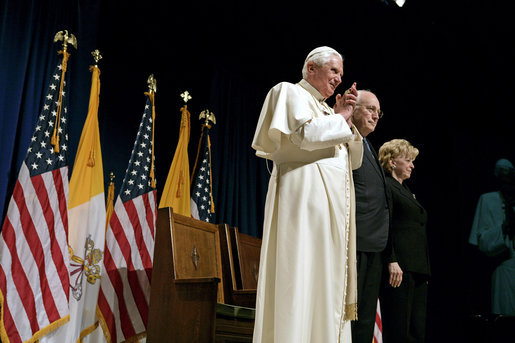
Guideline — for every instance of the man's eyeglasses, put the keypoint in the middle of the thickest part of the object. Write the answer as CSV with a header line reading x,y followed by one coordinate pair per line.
x,y
373,109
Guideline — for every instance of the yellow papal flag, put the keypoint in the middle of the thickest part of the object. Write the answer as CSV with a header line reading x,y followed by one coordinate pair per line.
x,y
87,218
176,192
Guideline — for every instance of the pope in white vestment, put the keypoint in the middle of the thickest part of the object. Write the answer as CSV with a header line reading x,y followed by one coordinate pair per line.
x,y
307,278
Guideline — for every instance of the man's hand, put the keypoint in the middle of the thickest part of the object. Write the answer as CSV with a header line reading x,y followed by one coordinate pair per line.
x,y
346,103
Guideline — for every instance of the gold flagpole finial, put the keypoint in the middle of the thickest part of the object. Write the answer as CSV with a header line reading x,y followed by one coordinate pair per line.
x,y
152,84
67,38
96,56
186,96
111,176
208,115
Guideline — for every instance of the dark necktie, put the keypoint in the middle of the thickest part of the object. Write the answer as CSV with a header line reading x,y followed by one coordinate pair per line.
x,y
367,145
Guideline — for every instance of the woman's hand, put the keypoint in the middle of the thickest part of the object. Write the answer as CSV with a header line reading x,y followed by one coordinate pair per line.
x,y
395,274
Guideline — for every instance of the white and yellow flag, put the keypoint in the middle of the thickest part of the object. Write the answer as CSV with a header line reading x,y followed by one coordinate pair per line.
x,y
87,220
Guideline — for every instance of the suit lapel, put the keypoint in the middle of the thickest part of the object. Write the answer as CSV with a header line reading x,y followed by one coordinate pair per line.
x,y
404,191
372,157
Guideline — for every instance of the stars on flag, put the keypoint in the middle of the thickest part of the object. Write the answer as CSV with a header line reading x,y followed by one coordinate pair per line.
x,y
201,187
137,180
41,156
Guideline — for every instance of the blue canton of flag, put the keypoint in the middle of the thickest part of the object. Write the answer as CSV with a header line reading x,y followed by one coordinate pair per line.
x,y
201,185
137,179
41,155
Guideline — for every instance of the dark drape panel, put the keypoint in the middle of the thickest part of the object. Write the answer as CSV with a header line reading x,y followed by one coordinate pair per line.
x,y
27,57
242,178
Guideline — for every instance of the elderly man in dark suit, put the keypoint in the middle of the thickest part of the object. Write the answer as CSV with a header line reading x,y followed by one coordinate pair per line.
x,y
372,218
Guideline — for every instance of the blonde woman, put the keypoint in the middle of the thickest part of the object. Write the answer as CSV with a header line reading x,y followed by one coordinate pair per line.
x,y
404,297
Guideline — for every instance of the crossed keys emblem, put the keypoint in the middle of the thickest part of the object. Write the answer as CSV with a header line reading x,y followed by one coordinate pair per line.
x,y
89,266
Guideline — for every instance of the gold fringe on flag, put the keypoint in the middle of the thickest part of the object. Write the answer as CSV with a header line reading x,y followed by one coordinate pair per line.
x,y
110,200
55,136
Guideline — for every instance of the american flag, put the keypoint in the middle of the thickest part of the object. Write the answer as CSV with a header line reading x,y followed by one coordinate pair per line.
x,y
378,326
34,259
202,206
124,295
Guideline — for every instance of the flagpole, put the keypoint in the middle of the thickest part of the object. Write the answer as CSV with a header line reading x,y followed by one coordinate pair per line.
x,y
67,39
152,90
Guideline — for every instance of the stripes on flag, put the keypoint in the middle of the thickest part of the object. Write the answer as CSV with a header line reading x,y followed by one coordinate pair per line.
x,y
378,326
34,258
124,295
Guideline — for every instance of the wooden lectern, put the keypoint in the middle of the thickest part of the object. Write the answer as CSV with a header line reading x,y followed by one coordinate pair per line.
x,y
187,296
184,280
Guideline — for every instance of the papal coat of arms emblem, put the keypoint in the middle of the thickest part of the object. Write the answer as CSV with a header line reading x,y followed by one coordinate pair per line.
x,y
89,267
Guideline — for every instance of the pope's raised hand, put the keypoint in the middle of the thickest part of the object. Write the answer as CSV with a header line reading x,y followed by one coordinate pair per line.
x,y
346,103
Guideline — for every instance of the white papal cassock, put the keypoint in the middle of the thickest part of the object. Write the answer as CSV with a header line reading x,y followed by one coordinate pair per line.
x,y
307,277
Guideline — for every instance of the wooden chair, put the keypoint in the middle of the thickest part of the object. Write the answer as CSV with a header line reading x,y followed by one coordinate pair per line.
x,y
186,304
240,264
248,249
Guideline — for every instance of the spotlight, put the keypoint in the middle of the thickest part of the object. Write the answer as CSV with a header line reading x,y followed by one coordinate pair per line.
x,y
399,3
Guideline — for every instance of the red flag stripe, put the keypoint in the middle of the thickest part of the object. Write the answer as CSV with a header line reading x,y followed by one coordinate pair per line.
x,y
119,281
118,284
125,252
107,314
59,176
129,212
128,262
50,189
53,183
31,266
22,285
134,217
32,238
378,326
6,313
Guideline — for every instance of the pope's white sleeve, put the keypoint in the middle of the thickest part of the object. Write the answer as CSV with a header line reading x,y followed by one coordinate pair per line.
x,y
322,132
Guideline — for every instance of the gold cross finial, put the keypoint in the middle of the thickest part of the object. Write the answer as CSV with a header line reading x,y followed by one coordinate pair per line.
x,y
152,84
96,56
186,96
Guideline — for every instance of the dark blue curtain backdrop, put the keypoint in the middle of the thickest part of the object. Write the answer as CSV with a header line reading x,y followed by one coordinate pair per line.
x,y
27,57
443,72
